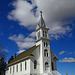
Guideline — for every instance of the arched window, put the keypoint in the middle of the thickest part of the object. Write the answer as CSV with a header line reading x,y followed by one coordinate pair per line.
x,y
46,53
25,65
10,69
44,44
13,69
35,64
46,66
52,66
38,34
16,68
21,67
43,33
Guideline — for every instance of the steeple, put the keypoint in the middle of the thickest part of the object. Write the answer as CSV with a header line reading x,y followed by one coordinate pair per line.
x,y
41,22
44,50
41,29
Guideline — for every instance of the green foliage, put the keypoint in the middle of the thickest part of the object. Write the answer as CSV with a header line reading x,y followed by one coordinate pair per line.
x,y
2,66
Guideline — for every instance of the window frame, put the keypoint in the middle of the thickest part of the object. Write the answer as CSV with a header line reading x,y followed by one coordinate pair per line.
x,y
46,53
13,68
46,66
25,65
17,68
20,66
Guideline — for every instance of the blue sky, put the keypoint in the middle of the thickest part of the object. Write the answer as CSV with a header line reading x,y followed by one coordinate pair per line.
x,y
18,20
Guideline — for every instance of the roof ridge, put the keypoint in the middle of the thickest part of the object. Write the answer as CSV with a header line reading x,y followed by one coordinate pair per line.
x,y
23,55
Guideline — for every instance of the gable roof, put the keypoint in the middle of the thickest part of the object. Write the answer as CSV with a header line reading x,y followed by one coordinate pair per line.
x,y
54,55
23,56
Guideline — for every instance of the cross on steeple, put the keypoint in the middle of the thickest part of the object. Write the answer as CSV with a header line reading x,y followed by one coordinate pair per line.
x,y
41,12
41,22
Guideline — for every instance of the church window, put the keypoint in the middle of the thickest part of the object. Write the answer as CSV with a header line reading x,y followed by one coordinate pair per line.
x,y
46,53
38,34
21,67
46,66
17,68
35,64
52,66
25,65
44,44
10,69
43,33
13,69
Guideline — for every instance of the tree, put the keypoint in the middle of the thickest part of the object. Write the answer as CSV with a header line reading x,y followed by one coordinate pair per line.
x,y
2,60
2,52
2,66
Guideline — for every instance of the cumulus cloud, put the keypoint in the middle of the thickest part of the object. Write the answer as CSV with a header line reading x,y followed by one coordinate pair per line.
x,y
58,14
33,34
62,52
68,60
22,42
22,13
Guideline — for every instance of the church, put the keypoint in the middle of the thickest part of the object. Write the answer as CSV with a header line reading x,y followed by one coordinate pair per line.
x,y
37,60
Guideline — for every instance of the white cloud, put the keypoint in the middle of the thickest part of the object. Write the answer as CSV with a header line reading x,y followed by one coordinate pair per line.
x,y
56,73
5,50
22,42
33,34
70,53
57,14
62,52
16,38
23,45
68,60
22,13
20,51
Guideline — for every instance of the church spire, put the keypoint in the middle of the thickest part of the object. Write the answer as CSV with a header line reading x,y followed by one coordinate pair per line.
x,y
41,29
41,13
41,22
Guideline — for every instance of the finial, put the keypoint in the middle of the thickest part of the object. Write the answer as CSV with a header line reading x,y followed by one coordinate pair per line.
x,y
41,12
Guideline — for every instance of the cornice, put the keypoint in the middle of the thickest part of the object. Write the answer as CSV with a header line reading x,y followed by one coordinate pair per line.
x,y
42,39
42,28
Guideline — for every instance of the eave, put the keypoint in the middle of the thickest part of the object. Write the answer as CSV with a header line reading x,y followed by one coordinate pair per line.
x,y
42,28
18,61
42,38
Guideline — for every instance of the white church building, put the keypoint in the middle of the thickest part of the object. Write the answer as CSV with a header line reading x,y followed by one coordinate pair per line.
x,y
37,60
